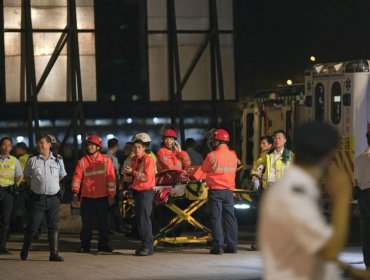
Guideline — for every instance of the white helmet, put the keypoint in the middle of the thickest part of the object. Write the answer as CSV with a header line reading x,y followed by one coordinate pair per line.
x,y
53,139
144,137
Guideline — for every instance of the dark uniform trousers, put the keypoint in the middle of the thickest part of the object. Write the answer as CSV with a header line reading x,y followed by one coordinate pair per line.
x,y
221,207
364,205
6,206
43,206
90,208
143,210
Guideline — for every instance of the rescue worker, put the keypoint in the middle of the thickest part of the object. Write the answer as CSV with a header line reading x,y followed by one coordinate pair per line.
x,y
43,173
274,162
10,174
220,166
296,240
95,180
170,156
142,171
266,144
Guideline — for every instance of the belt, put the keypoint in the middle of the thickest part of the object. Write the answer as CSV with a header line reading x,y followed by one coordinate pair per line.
x,y
42,196
5,188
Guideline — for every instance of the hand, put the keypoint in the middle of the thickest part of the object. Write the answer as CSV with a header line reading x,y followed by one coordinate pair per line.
x,y
127,169
254,178
111,200
359,274
177,146
75,201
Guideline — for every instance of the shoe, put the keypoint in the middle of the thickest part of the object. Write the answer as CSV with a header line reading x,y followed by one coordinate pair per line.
x,y
56,258
53,237
83,250
230,251
216,251
105,249
144,252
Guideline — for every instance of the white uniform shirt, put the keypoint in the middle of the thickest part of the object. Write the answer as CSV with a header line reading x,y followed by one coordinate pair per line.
x,y
272,175
292,230
362,170
45,174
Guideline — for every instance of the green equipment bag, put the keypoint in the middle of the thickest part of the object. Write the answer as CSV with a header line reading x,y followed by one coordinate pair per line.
x,y
196,190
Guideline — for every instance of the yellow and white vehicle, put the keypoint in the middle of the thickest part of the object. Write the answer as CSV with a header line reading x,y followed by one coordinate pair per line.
x,y
338,93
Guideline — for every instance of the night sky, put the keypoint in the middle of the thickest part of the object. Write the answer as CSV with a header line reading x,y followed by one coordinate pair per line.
x,y
274,39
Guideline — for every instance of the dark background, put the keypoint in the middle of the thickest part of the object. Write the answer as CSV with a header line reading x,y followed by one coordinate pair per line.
x,y
273,42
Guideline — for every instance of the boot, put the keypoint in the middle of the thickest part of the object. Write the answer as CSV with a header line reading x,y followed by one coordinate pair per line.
x,y
28,236
3,238
53,238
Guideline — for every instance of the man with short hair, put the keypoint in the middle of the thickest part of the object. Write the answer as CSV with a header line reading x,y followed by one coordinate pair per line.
x,y
10,174
43,172
274,162
195,157
295,239
113,148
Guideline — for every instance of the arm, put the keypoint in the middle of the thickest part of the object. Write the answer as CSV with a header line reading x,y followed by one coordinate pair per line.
x,y
77,178
164,161
18,173
339,188
261,161
62,170
184,158
148,170
111,178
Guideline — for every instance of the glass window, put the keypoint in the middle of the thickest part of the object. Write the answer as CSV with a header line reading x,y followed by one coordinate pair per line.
x,y
319,102
336,96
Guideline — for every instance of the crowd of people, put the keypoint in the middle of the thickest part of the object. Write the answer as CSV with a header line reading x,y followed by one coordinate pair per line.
x,y
289,184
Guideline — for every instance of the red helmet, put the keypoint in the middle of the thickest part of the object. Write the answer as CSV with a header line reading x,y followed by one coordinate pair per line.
x,y
169,133
222,135
95,139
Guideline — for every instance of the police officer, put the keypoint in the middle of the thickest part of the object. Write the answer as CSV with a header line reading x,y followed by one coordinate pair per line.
x,y
43,173
220,167
10,174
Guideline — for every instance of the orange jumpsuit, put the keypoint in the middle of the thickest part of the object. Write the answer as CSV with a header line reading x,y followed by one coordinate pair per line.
x,y
219,167
96,177
144,170
172,160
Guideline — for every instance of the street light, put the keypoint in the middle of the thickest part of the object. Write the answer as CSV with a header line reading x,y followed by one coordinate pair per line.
x,y
312,58
289,82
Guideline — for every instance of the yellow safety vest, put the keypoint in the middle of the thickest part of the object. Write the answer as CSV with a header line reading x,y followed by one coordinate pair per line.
x,y
7,170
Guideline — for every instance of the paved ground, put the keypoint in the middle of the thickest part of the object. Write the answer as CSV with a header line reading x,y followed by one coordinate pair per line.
x,y
169,262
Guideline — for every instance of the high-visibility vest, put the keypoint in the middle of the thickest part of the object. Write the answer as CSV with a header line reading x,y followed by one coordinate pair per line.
x,y
220,167
97,178
267,160
7,171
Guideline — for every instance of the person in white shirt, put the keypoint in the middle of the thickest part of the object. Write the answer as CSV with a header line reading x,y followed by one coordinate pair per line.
x,y
295,240
362,176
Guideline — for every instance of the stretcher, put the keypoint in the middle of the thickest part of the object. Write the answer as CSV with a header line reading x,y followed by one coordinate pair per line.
x,y
203,234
